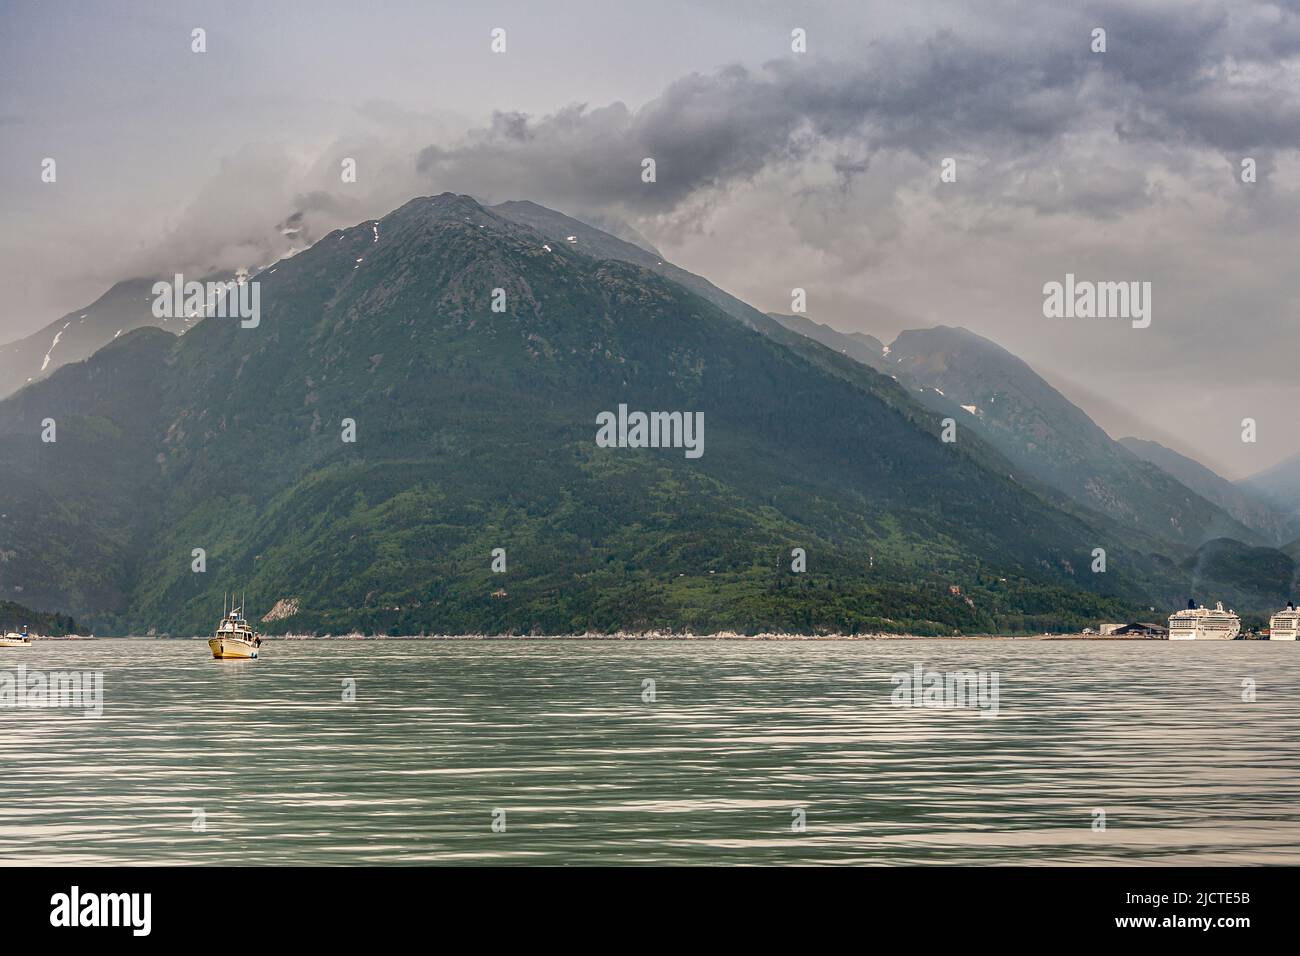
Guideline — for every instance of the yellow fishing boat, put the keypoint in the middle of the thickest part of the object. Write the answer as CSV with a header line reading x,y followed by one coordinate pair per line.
x,y
16,640
235,638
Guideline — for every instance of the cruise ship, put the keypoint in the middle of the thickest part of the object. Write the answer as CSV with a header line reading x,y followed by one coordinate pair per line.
x,y
1201,624
1284,625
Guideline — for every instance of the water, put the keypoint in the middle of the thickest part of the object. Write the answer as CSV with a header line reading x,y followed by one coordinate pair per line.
x,y
740,736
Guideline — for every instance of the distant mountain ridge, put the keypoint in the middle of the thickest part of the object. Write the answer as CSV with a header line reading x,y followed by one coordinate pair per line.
x,y
125,307
1237,532
1281,484
128,305
1051,438
1252,508
866,349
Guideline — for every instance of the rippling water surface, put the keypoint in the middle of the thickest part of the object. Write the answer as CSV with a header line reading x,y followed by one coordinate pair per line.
x,y
739,737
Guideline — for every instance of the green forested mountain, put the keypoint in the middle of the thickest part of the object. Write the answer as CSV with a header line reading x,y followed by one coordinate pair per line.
x,y
951,371
1241,575
15,617
475,430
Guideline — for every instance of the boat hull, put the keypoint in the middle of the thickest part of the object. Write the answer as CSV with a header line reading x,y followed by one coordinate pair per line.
x,y
232,649
14,642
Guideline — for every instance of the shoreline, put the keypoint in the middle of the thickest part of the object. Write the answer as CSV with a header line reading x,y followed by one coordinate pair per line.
x,y
647,636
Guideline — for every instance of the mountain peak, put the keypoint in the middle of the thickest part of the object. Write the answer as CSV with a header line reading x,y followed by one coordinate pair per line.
x,y
945,337
443,206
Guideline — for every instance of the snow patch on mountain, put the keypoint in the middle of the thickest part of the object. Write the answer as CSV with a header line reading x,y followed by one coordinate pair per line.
x,y
53,345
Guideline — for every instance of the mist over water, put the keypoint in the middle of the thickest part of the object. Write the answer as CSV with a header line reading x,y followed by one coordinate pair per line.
x,y
556,734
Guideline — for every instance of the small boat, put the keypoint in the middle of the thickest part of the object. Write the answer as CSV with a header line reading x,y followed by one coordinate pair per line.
x,y
16,640
235,638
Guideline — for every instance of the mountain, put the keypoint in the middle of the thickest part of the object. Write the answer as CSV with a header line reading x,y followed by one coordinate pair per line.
x,y
593,242
1281,484
80,334
1237,574
1053,439
1251,508
75,513
476,430
835,352
977,383
602,238
15,617
847,351
866,349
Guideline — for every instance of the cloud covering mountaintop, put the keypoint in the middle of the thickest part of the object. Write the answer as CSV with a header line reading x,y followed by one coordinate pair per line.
x,y
775,170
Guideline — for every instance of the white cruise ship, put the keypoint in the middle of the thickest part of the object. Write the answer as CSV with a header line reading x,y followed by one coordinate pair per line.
x,y
1202,624
1284,625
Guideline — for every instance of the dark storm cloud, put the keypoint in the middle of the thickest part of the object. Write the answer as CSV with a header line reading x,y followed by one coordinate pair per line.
x,y
707,131
1204,76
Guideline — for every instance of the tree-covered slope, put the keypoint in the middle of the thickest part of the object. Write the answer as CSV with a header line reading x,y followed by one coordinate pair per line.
x,y
475,430
1241,575
14,617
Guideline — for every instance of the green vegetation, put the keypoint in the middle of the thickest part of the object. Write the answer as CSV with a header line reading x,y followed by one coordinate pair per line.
x,y
1240,575
475,430
14,617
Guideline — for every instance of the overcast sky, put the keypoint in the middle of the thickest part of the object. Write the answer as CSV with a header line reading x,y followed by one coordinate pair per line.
x,y
775,169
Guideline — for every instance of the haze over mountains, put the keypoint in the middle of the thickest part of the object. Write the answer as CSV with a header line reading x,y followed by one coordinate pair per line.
x,y
1281,484
1052,439
955,371
1269,509
80,334
475,430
